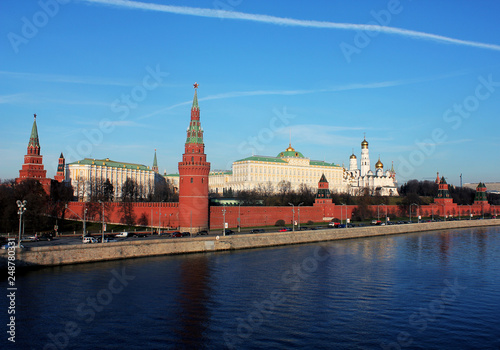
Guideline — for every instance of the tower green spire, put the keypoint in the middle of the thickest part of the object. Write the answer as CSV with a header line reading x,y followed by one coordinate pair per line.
x,y
195,98
155,163
34,135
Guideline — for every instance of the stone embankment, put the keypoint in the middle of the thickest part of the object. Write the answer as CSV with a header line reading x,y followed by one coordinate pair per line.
x,y
83,253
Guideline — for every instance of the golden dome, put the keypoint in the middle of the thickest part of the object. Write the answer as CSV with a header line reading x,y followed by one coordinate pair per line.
x,y
290,148
379,165
353,156
364,144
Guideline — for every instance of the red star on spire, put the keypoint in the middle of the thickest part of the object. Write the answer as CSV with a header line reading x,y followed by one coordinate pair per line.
x,y
195,85
34,115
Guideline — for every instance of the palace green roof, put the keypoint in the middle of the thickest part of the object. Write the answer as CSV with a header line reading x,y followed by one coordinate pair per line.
x,y
111,163
321,163
221,172
262,159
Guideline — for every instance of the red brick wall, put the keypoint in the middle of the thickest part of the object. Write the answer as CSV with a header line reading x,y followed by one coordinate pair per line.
x,y
169,212
264,216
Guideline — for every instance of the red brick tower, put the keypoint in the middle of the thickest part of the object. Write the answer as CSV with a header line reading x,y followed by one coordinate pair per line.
x,y
323,194
193,176
33,166
60,169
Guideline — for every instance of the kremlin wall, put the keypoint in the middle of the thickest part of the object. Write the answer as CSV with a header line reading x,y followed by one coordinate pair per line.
x,y
192,213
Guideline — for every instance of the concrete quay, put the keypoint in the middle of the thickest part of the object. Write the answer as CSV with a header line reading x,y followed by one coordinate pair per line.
x,y
85,253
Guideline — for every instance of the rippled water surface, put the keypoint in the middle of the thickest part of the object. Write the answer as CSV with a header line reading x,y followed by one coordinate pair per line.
x,y
432,290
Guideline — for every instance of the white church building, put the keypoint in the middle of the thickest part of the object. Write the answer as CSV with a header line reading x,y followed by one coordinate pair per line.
x,y
379,182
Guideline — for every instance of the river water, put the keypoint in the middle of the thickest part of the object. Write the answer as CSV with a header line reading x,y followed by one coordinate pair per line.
x,y
431,290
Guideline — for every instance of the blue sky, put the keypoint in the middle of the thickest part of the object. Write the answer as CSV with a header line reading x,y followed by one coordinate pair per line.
x,y
111,78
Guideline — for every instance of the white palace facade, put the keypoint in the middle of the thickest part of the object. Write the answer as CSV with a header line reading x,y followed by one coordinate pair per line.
x,y
291,166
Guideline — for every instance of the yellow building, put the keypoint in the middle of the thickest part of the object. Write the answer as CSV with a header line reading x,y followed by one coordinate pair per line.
x,y
266,171
88,173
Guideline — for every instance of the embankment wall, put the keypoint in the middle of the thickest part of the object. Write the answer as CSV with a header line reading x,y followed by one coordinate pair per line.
x,y
83,253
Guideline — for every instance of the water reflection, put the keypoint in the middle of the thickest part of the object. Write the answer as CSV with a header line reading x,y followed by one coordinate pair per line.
x,y
194,294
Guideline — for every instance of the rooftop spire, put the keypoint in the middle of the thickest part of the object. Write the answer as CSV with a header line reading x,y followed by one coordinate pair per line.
x,y
195,132
195,98
34,135
155,163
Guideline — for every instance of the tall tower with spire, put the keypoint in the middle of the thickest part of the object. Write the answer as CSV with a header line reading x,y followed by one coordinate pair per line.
x,y
193,176
33,161
60,169
365,158
155,164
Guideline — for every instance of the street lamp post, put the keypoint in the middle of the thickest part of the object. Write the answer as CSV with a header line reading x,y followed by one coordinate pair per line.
x,y
239,217
84,220
385,206
159,219
410,210
470,212
224,220
293,217
299,212
345,206
22,209
102,217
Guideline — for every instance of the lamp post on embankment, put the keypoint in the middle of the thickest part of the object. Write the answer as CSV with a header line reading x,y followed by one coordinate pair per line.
x,y
299,212
83,220
102,217
293,216
20,212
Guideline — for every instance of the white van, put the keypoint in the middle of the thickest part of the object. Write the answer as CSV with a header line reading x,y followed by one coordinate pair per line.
x,y
123,234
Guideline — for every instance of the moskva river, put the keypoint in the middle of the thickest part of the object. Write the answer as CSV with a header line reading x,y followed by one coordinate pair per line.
x,y
432,290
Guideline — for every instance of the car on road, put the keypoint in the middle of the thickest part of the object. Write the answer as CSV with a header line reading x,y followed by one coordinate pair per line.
x,y
47,236
202,233
176,234
140,235
123,234
186,234
229,232
89,240
333,224
257,230
285,229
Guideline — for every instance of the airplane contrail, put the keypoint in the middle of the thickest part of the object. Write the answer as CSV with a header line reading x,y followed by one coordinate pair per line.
x,y
212,13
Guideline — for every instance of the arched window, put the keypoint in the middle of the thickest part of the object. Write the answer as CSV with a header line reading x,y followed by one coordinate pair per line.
x,y
191,180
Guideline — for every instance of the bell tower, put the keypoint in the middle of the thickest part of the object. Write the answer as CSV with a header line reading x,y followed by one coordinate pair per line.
x,y
365,158
193,176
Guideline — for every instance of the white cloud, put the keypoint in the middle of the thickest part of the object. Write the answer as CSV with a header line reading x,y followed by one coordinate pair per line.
x,y
211,13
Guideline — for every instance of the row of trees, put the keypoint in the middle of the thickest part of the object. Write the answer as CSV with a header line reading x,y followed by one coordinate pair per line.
x,y
103,190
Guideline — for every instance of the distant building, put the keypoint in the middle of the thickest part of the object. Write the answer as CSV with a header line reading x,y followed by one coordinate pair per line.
x,y
379,182
289,166
86,173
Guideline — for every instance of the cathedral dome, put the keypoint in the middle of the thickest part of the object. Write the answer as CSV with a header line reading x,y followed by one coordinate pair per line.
x,y
379,165
364,144
353,156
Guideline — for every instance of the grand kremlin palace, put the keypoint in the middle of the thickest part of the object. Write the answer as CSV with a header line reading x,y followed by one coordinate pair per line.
x,y
289,165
